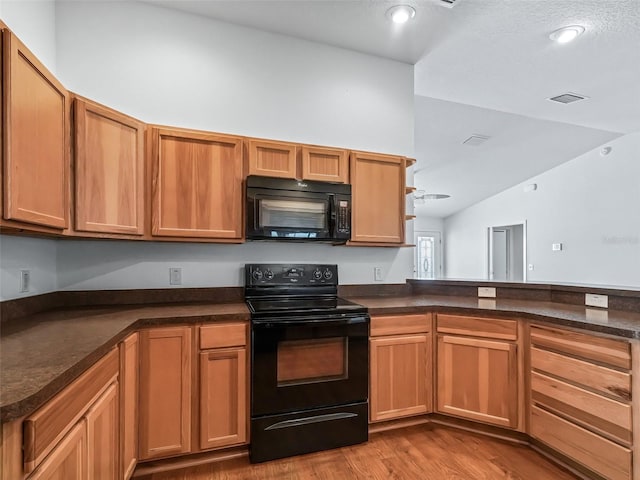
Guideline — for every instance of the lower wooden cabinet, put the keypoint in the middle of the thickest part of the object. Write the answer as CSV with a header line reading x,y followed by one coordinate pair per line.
x,y
68,460
582,399
223,397
102,436
478,376
128,406
400,366
165,392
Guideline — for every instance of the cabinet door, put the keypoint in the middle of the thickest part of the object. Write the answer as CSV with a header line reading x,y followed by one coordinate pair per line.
x,y
35,140
102,436
129,405
109,170
477,379
272,159
325,164
165,392
68,461
400,376
223,397
197,185
378,198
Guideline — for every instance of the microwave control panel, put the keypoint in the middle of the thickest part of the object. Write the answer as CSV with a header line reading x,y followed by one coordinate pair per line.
x,y
342,217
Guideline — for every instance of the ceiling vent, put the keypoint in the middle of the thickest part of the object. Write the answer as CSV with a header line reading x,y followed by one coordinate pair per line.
x,y
568,98
475,140
448,3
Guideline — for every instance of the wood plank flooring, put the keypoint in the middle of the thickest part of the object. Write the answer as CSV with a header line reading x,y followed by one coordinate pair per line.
x,y
420,452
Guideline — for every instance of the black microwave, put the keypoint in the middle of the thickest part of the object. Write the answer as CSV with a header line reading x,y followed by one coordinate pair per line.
x,y
297,210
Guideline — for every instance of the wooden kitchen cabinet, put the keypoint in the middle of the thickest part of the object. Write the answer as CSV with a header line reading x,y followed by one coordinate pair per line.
x,y
128,406
68,461
165,392
197,185
109,170
378,199
581,398
103,426
35,141
477,375
223,363
324,164
223,397
400,366
271,159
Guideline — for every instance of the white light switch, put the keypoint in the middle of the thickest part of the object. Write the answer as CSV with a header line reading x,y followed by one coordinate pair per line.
x,y
556,247
377,274
175,276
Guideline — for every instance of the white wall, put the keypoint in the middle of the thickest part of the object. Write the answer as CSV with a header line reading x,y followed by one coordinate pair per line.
x,y
33,21
172,68
113,264
590,205
25,253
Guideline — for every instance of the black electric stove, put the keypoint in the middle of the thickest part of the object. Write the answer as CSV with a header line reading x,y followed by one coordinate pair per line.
x,y
309,361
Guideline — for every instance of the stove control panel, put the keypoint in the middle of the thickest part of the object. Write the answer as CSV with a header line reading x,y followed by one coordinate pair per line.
x,y
257,274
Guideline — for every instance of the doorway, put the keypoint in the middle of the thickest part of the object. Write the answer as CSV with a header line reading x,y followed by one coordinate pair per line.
x,y
428,257
507,253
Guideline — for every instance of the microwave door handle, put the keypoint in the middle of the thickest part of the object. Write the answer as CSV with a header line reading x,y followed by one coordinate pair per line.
x,y
332,215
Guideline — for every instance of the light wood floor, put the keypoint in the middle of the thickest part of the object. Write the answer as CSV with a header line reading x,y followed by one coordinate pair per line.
x,y
420,452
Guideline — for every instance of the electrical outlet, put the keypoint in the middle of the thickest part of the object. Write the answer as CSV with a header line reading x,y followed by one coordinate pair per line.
x,y
377,274
593,300
175,276
25,280
487,292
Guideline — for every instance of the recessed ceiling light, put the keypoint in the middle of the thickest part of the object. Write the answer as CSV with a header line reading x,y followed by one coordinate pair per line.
x,y
567,34
401,13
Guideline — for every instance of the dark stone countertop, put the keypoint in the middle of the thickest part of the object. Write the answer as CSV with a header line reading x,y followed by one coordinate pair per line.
x,y
612,322
41,354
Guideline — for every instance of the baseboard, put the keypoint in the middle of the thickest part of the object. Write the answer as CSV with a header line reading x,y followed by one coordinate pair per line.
x,y
398,423
175,463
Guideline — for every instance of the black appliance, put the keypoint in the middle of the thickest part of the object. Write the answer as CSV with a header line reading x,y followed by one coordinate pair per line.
x,y
296,210
309,361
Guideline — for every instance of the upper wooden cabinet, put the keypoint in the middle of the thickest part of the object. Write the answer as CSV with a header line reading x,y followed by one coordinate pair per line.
x,y
35,140
197,184
109,170
271,159
378,198
324,164
304,162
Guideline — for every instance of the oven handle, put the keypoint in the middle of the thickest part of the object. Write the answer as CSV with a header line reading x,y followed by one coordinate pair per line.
x,y
311,322
298,422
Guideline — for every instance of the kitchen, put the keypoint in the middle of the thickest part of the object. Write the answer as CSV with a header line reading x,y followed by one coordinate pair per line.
x,y
134,38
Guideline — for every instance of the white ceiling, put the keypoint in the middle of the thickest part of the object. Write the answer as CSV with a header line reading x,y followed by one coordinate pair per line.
x,y
481,67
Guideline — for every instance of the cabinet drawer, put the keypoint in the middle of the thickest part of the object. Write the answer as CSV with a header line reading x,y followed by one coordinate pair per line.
x,y
45,428
592,376
603,415
400,324
598,349
602,456
478,326
223,335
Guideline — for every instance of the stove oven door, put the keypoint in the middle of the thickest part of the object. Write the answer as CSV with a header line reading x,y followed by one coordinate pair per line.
x,y
309,363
